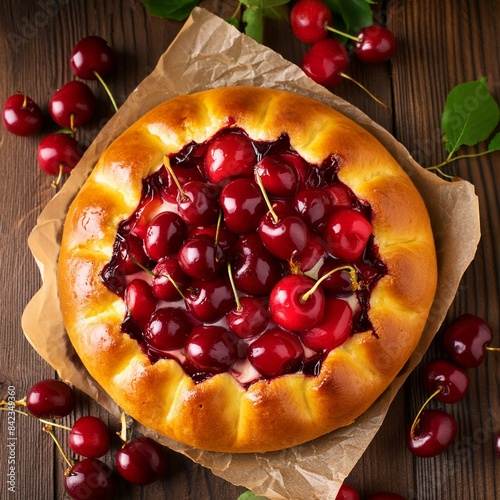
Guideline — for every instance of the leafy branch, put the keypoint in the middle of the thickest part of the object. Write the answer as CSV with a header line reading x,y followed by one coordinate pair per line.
x,y
470,117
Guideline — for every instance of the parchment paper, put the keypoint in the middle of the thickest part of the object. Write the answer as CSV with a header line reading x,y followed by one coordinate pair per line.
x,y
210,53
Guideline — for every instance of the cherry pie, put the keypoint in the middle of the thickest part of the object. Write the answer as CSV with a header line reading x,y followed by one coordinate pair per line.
x,y
246,269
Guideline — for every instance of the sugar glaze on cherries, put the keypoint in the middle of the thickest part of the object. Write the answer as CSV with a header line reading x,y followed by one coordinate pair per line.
x,y
188,287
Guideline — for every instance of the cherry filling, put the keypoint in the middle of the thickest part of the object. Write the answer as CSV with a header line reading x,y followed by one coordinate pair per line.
x,y
243,258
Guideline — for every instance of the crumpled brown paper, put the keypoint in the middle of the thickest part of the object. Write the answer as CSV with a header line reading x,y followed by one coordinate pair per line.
x,y
209,53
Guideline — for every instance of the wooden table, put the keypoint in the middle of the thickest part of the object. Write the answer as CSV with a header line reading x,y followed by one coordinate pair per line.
x,y
441,44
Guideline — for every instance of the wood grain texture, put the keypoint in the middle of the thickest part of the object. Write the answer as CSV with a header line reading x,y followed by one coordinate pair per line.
x,y
441,44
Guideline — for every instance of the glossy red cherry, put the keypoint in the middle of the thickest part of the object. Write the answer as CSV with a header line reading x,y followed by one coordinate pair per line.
x,y
375,44
334,328
170,189
249,318
340,195
50,398
276,352
200,257
347,492
167,328
21,115
242,205
325,61
314,206
139,300
141,461
278,176
89,437
90,479
169,279
255,270
310,256
346,234
466,340
451,380
433,433
296,304
92,55
211,348
230,154
209,300
72,105
58,154
198,203
131,255
283,236
337,282
308,19
165,235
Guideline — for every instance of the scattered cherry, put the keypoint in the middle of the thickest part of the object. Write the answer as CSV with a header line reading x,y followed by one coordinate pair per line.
x,y
91,59
325,62
89,437
309,19
50,398
21,115
446,380
347,492
58,154
375,44
92,55
90,479
432,433
467,339
72,105
141,461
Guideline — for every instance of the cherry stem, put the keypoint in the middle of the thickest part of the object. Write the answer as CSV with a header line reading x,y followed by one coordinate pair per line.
x,y
459,157
151,273
72,122
266,198
25,102
233,286
48,429
106,88
42,420
488,348
417,418
341,33
355,285
376,99
56,182
166,162
217,230
124,425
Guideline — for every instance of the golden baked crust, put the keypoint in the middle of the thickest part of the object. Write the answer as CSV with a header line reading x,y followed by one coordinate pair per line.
x,y
219,414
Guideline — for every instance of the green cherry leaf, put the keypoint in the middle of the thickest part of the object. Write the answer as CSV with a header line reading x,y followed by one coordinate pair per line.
x,y
494,144
177,10
277,12
470,115
355,14
249,495
233,22
254,23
